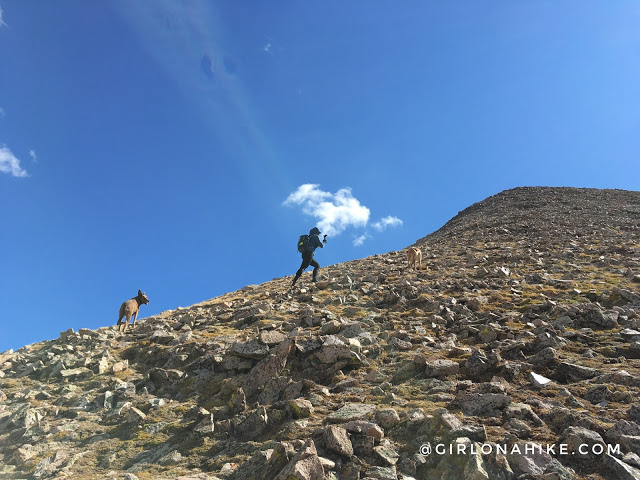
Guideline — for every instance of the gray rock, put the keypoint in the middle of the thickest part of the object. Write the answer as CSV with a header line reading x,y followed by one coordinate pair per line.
x,y
162,378
621,470
363,445
103,365
569,372
301,408
352,411
475,433
67,334
387,418
556,471
563,322
331,327
475,468
623,427
382,473
630,443
597,394
162,337
171,458
523,411
632,459
630,334
76,374
539,381
254,425
594,316
447,420
267,368
49,466
546,357
29,369
125,389
441,368
517,426
196,476
337,439
386,454
331,353
400,344
576,437
620,377
135,415
305,465
23,417
206,425
142,460
479,363
271,337
365,428
236,363
350,471
237,402
634,413
264,464
483,404
528,459
253,350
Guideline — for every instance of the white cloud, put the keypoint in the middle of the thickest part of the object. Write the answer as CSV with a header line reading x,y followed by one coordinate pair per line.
x,y
360,240
335,211
10,164
2,24
386,222
32,154
1,112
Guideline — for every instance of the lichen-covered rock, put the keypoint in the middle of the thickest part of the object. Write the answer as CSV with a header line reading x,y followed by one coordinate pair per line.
x,y
386,454
305,465
301,408
580,442
483,404
253,426
352,411
441,368
337,439
528,458
382,473
570,372
546,357
619,469
254,350
387,418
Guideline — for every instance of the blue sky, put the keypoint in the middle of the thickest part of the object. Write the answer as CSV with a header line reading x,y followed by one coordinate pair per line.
x,y
180,148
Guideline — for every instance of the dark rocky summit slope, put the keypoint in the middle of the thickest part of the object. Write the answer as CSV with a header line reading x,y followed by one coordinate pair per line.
x,y
514,353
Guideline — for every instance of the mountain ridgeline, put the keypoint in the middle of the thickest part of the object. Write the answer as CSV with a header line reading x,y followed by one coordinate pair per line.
x,y
512,353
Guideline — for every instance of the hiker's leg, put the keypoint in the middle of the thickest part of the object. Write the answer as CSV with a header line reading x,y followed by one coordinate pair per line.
x,y
306,260
316,268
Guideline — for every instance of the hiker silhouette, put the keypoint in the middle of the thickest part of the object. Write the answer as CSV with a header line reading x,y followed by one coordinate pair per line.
x,y
307,245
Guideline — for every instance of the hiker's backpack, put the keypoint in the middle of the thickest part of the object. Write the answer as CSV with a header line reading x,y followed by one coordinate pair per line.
x,y
303,243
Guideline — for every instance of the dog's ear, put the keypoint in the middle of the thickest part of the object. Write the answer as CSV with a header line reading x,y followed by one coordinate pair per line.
x,y
139,292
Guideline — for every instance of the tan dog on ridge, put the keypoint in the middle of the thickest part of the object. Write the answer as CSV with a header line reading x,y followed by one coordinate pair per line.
x,y
414,255
130,308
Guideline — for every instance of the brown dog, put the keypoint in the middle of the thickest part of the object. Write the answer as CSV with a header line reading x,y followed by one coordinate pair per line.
x,y
131,308
414,255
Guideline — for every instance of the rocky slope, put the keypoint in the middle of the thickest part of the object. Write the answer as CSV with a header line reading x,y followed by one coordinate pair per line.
x,y
519,334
